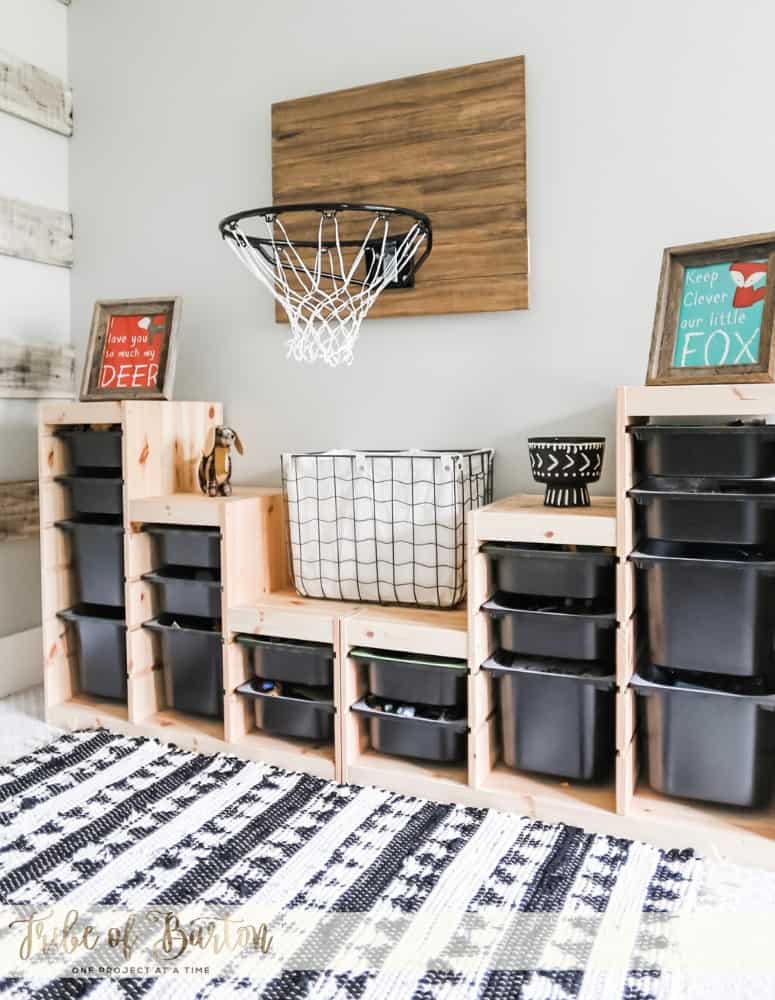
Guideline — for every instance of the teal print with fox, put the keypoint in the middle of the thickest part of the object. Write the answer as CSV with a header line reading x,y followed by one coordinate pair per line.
x,y
720,317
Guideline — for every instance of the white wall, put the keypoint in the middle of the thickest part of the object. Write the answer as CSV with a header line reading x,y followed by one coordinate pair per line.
x,y
647,126
34,298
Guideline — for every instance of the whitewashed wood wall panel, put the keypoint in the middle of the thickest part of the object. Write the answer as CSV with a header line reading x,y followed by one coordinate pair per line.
x,y
18,510
36,233
36,371
31,93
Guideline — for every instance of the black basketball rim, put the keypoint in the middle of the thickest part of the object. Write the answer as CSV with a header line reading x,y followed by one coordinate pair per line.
x,y
226,226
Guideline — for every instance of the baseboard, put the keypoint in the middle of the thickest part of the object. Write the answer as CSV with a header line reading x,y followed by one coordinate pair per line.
x,y
21,661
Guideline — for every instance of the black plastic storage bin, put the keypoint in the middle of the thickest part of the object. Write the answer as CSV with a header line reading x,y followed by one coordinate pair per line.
x,y
556,717
93,494
705,743
553,571
743,451
532,627
300,718
708,608
184,590
192,654
92,449
195,546
426,680
101,635
98,553
292,660
732,512
426,739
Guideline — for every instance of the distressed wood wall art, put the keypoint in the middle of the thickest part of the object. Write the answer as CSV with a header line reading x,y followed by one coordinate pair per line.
x,y
37,370
132,349
450,144
31,93
19,516
36,233
715,315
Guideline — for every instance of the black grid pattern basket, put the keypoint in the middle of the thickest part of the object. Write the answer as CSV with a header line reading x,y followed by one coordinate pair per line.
x,y
383,526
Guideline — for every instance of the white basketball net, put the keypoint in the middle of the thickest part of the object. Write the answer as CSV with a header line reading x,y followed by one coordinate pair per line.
x,y
327,290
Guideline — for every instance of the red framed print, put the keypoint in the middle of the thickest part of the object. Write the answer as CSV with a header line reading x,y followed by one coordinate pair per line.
x,y
132,349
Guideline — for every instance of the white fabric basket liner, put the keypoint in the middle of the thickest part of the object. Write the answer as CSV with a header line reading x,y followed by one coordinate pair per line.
x,y
386,526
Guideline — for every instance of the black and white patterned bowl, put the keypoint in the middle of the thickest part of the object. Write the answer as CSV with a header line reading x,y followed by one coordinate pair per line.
x,y
566,465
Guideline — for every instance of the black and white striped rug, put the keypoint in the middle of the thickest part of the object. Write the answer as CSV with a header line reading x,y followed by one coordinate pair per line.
x,y
371,895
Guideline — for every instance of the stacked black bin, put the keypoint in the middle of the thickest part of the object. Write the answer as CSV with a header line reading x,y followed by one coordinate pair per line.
x,y
188,587
416,706
96,532
705,568
555,626
293,688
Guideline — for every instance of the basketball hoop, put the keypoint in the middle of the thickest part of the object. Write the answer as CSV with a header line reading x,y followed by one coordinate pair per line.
x,y
326,264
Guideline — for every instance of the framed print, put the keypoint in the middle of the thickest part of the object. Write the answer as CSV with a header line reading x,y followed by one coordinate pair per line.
x,y
715,317
132,350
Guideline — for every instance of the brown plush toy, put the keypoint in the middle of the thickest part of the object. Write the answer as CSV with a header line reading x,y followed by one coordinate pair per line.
x,y
215,464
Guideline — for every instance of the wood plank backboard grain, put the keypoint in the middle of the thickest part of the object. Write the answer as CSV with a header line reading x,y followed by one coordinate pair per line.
x,y
451,144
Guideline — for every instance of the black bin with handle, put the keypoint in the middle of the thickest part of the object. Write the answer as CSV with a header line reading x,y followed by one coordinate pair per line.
x,y
94,494
532,626
582,573
92,448
425,680
710,740
708,609
286,715
187,545
187,591
295,661
713,511
98,554
733,451
102,661
442,740
556,716
192,654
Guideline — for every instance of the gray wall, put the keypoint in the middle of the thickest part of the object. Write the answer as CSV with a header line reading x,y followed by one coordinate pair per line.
x,y
647,126
34,305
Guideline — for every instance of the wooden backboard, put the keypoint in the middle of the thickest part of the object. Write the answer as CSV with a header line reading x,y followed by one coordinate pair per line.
x,y
450,144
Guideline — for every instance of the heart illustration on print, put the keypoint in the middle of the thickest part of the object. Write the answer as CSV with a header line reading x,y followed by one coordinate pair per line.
x,y
144,323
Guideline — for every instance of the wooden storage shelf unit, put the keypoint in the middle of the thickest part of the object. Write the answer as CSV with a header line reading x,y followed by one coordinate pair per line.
x,y
745,835
251,560
283,614
421,632
524,518
161,443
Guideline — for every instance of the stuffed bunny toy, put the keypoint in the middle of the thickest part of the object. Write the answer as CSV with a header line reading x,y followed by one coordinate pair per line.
x,y
215,464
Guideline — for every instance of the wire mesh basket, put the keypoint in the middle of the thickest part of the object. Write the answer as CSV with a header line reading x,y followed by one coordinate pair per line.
x,y
384,526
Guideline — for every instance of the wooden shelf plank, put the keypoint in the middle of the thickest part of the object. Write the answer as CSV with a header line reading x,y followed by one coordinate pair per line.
x,y
743,399
102,412
428,631
193,508
291,754
441,782
524,518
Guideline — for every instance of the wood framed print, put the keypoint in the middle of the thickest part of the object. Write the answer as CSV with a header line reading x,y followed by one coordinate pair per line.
x,y
132,350
715,318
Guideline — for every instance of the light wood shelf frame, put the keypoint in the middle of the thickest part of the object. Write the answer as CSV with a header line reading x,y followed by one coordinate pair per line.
x,y
524,518
161,446
161,443
747,836
422,632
